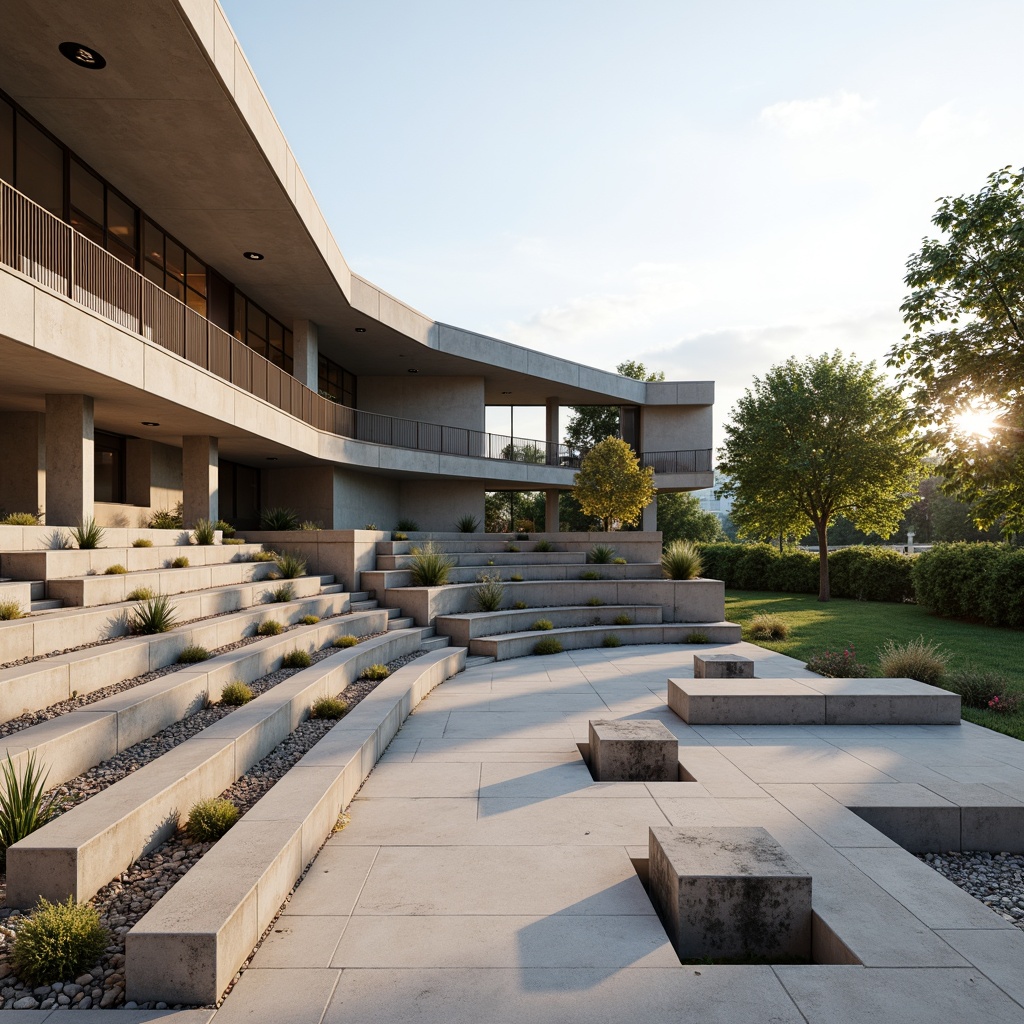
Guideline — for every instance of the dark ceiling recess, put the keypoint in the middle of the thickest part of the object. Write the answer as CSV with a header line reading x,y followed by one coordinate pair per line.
x,y
84,56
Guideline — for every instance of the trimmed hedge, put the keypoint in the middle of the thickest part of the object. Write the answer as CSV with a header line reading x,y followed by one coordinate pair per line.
x,y
980,581
863,573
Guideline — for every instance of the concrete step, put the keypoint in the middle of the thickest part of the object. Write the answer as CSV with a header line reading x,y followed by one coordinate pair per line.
x,y
435,643
405,622
394,613
389,579
38,590
45,605
362,606
476,660
333,588
485,560
17,591
360,595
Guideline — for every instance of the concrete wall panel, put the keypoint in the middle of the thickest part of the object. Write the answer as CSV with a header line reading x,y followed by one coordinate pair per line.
x,y
453,401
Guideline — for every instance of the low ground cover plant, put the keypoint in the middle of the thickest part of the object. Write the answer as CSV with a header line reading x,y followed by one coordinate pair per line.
x,y
10,610
375,672
681,560
765,626
181,562
236,694
142,542
88,534
838,664
328,707
309,620
310,524
515,578
20,519
590,574
918,659
283,593
543,545
489,592
296,659
289,566
58,941
549,645
519,605
153,615
398,535
209,819
346,641
142,594
543,624
226,529
696,637
263,556
115,570
611,640
623,620
168,519
430,566
270,627
192,654
595,602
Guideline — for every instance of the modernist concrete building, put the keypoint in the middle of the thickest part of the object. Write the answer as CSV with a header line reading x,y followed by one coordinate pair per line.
x,y
177,321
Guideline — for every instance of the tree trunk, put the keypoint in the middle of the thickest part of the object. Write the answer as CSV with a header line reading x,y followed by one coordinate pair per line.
x,y
821,528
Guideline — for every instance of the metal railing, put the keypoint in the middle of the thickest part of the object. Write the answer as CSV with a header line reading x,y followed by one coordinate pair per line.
x,y
693,461
41,246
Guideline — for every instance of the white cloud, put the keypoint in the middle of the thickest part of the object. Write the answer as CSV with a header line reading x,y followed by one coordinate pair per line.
x,y
825,115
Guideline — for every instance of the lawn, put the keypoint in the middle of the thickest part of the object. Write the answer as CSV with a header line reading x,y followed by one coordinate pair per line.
x,y
868,624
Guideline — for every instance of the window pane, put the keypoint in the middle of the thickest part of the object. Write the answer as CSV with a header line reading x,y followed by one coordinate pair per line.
x,y
196,276
239,330
176,288
289,347
91,231
256,343
277,336
123,254
153,243
256,320
154,273
40,170
196,301
120,220
175,260
86,192
7,142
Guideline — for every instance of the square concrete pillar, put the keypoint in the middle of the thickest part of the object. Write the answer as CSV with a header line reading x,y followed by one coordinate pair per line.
x,y
23,467
551,433
139,472
551,524
730,894
633,750
200,478
306,353
649,516
70,459
722,666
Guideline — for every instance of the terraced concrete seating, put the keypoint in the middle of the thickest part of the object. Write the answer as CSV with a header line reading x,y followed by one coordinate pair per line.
x,y
390,579
80,851
72,743
38,538
19,591
574,638
812,702
189,946
493,561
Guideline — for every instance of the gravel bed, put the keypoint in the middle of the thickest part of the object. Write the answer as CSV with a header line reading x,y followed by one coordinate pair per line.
x,y
123,902
997,879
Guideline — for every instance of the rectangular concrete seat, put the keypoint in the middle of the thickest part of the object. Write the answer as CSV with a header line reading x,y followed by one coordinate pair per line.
x,y
722,666
633,750
729,893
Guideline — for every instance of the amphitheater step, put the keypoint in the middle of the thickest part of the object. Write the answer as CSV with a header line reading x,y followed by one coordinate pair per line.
x,y
333,588
435,643
389,579
484,560
476,660
363,606
45,605
405,622
38,590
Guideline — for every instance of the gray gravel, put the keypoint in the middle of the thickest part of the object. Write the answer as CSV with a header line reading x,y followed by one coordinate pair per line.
x,y
997,879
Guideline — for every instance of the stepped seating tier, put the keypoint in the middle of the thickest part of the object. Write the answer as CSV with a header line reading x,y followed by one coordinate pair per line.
x,y
19,591
395,579
497,559
72,743
39,538
80,851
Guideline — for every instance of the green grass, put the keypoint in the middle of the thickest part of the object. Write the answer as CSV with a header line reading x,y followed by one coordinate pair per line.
x,y
869,624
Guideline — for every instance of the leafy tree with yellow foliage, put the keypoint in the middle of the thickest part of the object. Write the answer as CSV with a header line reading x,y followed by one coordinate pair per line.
x,y
611,483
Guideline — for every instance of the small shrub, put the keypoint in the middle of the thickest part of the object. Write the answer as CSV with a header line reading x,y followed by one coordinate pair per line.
x,y
467,524
618,561
916,659
398,535
165,519
20,519
142,594
1005,703
600,554
768,627
283,593
515,578
263,556
512,547
58,540
623,620
409,525
681,561
490,561
695,636
279,519
370,526
10,610
289,566
309,620
88,534
209,819
203,532
549,645
489,593
976,686
430,566
235,694
348,640
519,605
310,524
328,707
543,624
24,806
543,545
142,542
153,615
591,574
226,529
296,659
376,672
269,628
611,640
232,540
838,664
192,654
115,570
181,562
58,941
595,602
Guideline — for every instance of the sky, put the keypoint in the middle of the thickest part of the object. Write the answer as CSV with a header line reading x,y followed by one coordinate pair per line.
x,y
707,187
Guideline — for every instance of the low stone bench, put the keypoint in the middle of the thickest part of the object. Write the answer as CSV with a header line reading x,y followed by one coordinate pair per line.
x,y
633,750
722,666
730,893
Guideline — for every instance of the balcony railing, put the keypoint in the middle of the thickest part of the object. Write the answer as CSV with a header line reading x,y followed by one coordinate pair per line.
x,y
693,461
41,246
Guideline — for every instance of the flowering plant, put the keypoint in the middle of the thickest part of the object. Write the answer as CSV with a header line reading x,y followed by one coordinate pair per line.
x,y
838,664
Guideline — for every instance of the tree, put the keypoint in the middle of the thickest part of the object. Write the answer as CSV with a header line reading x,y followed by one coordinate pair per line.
x,y
611,483
816,439
591,423
965,347
680,517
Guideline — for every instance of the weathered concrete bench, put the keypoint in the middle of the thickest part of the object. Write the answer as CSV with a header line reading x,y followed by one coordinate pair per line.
x,y
729,893
722,666
633,750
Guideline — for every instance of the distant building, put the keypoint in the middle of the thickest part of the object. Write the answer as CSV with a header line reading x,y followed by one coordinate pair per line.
x,y
709,502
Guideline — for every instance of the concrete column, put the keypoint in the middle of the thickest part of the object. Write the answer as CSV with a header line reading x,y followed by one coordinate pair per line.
x,y
23,466
551,511
306,350
139,472
200,478
649,516
552,433
70,460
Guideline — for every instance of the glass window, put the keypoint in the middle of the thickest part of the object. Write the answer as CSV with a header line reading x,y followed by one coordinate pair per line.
x,y
196,274
154,273
195,301
174,261
120,221
239,320
153,243
7,142
86,194
256,320
109,467
40,168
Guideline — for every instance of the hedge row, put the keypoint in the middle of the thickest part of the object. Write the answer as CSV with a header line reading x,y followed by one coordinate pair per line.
x,y
972,581
863,573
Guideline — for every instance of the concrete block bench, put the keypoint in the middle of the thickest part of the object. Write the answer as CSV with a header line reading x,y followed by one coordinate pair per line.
x,y
722,666
633,750
729,893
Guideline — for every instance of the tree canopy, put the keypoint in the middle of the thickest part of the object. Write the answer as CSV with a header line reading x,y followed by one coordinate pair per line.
x,y
611,483
591,423
815,439
965,346
680,517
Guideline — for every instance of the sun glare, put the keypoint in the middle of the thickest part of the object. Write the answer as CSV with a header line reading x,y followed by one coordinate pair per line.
x,y
978,421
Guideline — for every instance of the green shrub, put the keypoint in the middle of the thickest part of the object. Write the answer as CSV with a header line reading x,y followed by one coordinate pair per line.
x,y
794,572
203,533
263,556
310,524
153,615
235,694
543,624
918,659
142,594
348,640
515,578
755,567
514,548
543,545
430,567
695,636
20,519
232,540
115,570
623,620
489,592
409,525
10,610
764,626
283,593
467,524
681,561
142,542
289,566
591,574
375,672
24,806
192,654
164,519
296,659
328,707
279,519
519,605
398,535
595,602
370,526
58,941
870,574
618,561
600,554
611,640
88,534
549,645
209,819
181,562
982,582
309,620
838,664
269,628
720,560
226,529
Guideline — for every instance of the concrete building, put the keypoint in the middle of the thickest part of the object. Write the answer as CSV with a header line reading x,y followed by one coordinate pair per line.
x,y
177,321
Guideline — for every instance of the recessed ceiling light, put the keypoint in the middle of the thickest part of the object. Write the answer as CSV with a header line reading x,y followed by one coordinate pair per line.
x,y
411,370
82,55
360,330
150,423
254,256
